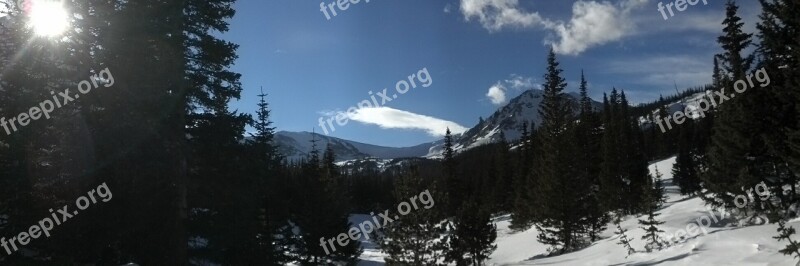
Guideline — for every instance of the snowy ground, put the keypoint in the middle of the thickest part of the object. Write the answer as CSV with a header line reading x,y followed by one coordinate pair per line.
x,y
722,245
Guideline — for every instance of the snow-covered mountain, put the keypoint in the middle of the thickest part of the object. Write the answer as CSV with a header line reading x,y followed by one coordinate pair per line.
x,y
508,119
296,145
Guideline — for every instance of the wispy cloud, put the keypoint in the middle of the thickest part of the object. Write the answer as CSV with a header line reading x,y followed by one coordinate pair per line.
x,y
495,15
390,118
686,71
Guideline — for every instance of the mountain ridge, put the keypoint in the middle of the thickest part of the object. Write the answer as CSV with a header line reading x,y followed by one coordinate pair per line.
x,y
508,118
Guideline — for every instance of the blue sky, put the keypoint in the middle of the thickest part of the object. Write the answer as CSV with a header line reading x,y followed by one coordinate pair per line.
x,y
312,66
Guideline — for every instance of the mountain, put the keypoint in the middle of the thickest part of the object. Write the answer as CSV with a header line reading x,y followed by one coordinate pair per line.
x,y
297,145
509,119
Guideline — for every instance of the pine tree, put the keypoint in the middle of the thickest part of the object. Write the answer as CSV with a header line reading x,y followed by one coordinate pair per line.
x,y
559,184
588,137
325,213
786,233
453,185
731,145
504,187
611,177
781,59
781,117
275,236
650,226
472,239
635,172
684,171
415,239
522,213
624,241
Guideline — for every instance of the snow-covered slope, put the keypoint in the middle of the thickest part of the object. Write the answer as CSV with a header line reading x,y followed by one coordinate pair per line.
x,y
690,103
508,119
722,245
296,145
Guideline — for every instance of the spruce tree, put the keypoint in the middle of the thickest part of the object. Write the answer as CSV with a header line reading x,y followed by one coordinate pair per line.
x,y
453,185
274,239
611,177
472,240
588,136
685,170
415,238
781,59
522,213
504,187
325,214
731,144
624,241
650,226
560,185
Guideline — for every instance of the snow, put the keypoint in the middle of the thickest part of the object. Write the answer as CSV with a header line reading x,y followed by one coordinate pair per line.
x,y
722,245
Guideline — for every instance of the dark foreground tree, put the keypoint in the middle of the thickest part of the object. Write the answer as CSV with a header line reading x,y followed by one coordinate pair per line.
x,y
417,237
560,185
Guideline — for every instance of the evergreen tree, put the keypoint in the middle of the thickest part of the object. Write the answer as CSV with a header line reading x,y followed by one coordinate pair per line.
x,y
781,59
588,136
733,140
504,186
522,213
325,213
611,178
624,168
472,239
786,233
560,184
650,226
415,239
274,237
635,172
684,171
624,241
453,185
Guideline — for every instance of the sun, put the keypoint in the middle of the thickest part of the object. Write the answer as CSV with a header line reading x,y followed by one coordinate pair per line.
x,y
48,18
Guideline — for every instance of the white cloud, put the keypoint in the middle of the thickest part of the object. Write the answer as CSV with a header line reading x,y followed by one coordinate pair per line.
x,y
447,8
497,94
391,118
497,14
521,83
592,23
